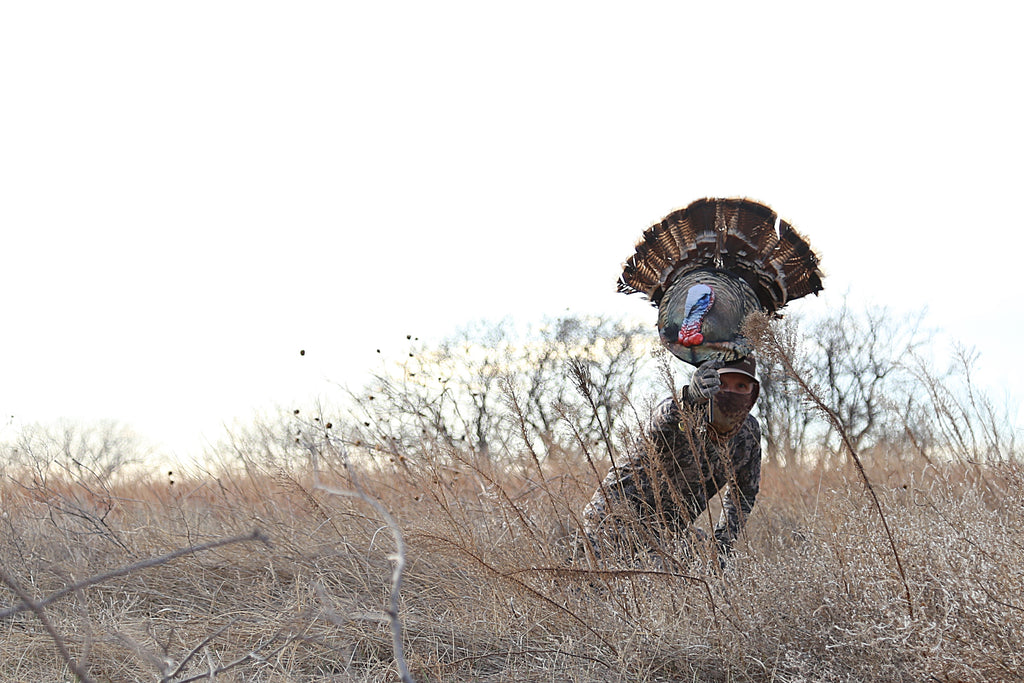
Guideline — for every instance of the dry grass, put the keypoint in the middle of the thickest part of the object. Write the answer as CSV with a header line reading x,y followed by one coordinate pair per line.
x,y
490,590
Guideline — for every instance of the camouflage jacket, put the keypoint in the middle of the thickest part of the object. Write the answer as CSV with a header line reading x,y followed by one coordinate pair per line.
x,y
674,471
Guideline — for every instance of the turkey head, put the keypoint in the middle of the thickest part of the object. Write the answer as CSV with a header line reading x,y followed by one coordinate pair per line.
x,y
707,266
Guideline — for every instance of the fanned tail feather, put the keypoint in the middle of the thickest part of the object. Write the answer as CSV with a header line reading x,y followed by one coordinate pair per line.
x,y
736,235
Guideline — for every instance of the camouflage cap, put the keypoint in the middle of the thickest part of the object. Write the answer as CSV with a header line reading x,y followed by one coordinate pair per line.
x,y
744,366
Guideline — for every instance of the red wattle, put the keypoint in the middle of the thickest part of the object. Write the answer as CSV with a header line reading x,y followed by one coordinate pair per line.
x,y
695,339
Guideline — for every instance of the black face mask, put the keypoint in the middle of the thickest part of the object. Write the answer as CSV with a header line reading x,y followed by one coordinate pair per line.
x,y
730,409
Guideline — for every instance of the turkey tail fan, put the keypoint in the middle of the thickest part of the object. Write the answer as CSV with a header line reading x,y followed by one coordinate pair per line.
x,y
735,235
799,263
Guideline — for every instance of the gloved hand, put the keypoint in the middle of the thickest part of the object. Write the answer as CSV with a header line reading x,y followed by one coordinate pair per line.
x,y
705,382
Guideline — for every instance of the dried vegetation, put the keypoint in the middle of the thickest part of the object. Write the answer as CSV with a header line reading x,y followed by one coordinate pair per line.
x,y
257,568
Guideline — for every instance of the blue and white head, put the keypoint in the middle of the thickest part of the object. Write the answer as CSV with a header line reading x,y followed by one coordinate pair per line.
x,y
701,314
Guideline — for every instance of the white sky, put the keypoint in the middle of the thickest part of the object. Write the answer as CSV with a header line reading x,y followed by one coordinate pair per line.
x,y
191,192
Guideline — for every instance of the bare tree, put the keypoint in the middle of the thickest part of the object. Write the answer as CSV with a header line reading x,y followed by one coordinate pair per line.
x,y
498,393
787,422
93,452
457,394
955,419
860,364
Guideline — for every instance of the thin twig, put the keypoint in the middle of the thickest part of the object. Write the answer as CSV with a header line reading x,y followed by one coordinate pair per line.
x,y
579,371
192,653
249,656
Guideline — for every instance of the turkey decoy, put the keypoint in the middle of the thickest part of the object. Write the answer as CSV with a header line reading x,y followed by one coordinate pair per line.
x,y
707,266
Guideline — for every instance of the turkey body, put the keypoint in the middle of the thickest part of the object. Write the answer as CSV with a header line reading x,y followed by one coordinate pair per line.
x,y
708,266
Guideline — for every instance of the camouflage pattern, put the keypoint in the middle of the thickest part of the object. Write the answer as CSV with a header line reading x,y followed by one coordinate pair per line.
x,y
674,470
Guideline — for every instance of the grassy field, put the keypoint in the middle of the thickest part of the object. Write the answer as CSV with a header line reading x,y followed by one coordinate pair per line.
x,y
297,584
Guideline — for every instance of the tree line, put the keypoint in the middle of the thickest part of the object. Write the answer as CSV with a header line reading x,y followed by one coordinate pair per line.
x,y
585,383
580,385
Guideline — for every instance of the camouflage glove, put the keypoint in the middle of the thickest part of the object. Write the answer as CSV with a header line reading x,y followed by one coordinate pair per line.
x,y
705,382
